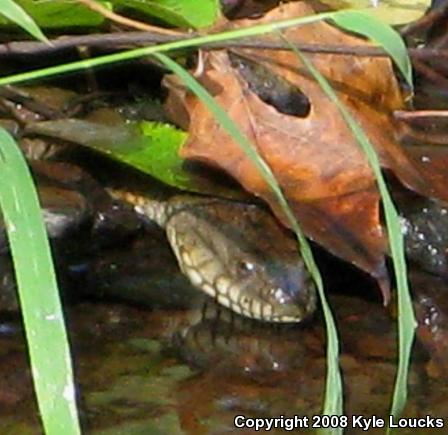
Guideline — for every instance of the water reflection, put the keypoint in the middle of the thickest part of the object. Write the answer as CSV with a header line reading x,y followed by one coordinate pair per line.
x,y
192,370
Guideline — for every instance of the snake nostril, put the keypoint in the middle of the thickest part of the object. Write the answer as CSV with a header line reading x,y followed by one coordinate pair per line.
x,y
281,296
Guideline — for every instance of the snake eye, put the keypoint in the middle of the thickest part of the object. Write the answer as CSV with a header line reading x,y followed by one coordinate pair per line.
x,y
246,266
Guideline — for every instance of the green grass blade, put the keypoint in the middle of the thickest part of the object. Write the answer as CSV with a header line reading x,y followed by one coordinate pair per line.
x,y
406,319
177,45
383,34
333,397
15,13
38,293
400,57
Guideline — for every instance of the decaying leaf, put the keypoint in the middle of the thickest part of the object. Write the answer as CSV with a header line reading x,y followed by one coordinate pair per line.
x,y
315,158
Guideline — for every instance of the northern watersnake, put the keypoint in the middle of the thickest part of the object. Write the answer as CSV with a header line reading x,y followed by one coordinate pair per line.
x,y
235,252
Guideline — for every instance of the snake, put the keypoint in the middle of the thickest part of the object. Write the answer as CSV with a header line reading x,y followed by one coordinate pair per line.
x,y
235,252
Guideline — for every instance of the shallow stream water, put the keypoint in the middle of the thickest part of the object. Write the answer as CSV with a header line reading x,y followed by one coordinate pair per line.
x,y
142,371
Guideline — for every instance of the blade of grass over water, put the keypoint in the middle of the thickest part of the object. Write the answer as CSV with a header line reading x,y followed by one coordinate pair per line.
x,y
406,318
38,293
15,13
389,44
333,398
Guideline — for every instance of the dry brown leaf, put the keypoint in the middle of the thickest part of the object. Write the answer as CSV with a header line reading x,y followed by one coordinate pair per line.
x,y
316,160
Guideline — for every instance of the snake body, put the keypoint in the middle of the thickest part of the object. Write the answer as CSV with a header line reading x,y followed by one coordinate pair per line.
x,y
235,252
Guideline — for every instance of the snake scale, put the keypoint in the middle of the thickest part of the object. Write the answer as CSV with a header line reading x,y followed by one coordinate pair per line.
x,y
235,252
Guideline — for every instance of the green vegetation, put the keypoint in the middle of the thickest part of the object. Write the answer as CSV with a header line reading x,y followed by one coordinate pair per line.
x,y
177,13
40,304
39,298
63,14
60,376
406,319
13,12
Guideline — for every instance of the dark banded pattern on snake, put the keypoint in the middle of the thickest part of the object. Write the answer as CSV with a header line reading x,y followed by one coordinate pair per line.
x,y
235,252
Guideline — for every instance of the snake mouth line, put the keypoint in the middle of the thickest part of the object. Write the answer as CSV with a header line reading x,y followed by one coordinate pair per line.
x,y
264,311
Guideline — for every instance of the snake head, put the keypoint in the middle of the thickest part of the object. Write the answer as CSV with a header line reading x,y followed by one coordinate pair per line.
x,y
242,257
275,289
